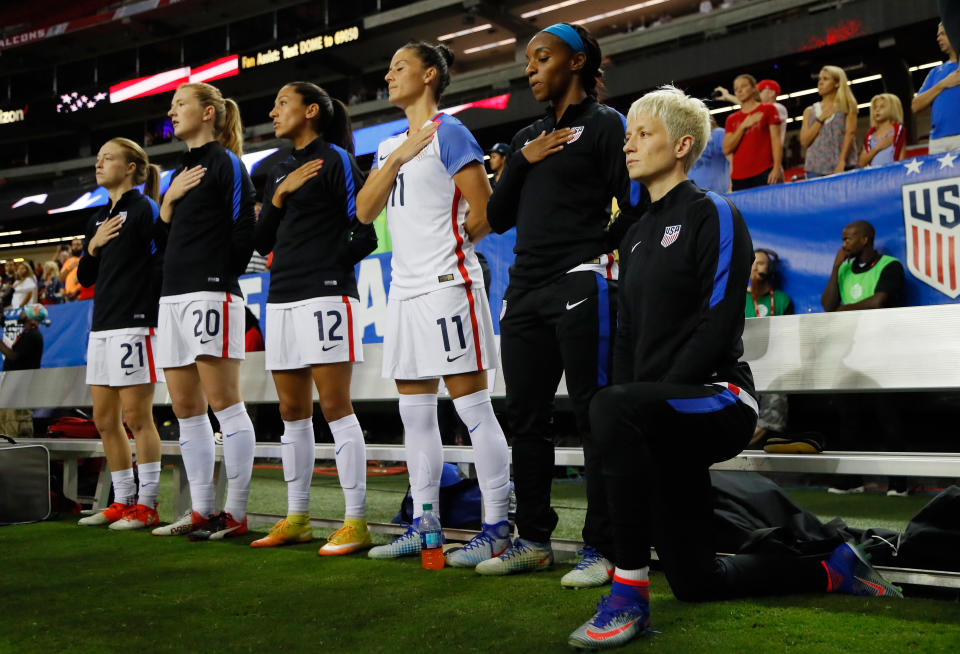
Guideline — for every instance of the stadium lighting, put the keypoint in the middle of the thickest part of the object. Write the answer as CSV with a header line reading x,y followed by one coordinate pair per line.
x,y
12,233
925,66
489,46
42,241
549,8
471,30
617,12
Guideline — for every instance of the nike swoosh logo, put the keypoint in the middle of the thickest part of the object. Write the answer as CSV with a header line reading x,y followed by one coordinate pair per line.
x,y
279,179
527,142
575,304
229,435
101,222
880,589
596,635
635,245
340,448
326,348
474,428
148,483
132,372
384,157
451,359
286,442
204,342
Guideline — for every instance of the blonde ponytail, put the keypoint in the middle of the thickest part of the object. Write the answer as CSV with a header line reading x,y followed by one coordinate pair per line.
x,y
231,135
151,183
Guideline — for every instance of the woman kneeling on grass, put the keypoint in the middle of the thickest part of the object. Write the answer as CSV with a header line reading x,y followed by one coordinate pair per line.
x,y
682,399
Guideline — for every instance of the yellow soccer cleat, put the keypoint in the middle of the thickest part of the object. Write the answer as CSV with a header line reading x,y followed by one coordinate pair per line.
x,y
286,532
349,538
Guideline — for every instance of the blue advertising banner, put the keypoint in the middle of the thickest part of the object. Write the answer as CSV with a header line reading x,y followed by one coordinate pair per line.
x,y
914,205
64,339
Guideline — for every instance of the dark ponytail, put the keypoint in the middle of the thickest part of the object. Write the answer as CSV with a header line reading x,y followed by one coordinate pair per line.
x,y
333,121
434,56
591,75
339,129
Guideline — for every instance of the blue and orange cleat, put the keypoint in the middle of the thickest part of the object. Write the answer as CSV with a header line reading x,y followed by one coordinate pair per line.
x,y
617,621
848,571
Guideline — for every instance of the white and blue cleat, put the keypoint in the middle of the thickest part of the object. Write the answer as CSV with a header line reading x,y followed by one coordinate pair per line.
x,y
491,542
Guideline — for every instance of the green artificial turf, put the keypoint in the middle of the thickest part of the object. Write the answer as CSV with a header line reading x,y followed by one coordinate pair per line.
x,y
82,589
76,589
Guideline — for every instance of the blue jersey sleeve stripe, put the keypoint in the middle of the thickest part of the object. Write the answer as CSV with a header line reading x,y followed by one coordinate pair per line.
x,y
724,248
709,404
154,209
237,185
458,147
348,179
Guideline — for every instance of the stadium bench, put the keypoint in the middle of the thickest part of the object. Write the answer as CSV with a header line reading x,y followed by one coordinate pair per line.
x,y
903,349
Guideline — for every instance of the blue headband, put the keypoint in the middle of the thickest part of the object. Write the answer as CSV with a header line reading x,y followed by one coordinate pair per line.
x,y
568,34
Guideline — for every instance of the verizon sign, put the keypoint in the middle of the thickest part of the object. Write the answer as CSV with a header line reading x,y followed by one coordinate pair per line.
x,y
12,116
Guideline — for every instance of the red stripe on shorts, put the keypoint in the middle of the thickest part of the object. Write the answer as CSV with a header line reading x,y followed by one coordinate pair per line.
x,y
467,282
226,328
346,302
153,371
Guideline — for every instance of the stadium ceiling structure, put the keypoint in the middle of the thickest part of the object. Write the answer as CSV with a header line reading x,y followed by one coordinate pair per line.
x,y
112,76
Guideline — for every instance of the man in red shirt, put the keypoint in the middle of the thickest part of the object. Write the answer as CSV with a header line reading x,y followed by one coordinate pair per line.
x,y
753,138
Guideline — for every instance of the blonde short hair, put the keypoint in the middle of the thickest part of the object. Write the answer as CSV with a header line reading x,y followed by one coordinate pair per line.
x,y
894,107
681,115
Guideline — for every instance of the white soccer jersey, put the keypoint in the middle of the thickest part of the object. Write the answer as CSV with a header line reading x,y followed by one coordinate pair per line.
x,y
426,213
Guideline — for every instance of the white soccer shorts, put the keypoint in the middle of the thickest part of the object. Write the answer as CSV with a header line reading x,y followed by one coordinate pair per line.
x,y
311,332
123,357
444,332
207,323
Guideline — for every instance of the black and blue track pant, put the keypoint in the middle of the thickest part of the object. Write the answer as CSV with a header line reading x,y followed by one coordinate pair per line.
x,y
562,328
656,443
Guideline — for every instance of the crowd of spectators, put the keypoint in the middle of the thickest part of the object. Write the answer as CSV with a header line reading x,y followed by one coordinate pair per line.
x,y
828,133
25,282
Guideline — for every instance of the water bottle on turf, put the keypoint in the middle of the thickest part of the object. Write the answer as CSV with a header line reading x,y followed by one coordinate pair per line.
x,y
431,539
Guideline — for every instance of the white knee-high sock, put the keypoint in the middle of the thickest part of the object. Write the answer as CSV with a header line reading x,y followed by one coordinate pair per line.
x,y
238,444
421,437
297,448
198,452
124,488
351,456
149,474
490,452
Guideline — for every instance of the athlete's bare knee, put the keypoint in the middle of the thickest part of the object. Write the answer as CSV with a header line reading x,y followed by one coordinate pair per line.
x,y
291,411
138,420
335,406
188,408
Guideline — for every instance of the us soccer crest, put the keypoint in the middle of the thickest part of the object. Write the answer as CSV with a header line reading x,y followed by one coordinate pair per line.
x,y
670,234
931,221
577,131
